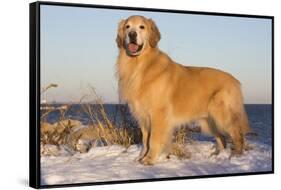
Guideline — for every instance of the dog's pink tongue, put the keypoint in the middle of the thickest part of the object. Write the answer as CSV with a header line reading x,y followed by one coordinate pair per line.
x,y
133,47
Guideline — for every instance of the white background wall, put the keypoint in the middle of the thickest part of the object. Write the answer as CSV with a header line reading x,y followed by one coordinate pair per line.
x,y
14,73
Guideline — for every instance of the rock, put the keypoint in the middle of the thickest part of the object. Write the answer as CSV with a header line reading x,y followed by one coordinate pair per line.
x,y
83,145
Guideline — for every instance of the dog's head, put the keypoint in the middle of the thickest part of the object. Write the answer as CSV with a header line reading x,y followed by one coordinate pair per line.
x,y
137,33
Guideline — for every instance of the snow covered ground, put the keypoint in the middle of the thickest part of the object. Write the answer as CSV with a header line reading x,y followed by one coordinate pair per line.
x,y
116,163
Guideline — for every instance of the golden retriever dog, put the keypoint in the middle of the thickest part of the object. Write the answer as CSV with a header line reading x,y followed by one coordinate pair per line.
x,y
163,94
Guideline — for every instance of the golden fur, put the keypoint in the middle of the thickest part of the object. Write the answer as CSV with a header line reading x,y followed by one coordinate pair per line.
x,y
162,94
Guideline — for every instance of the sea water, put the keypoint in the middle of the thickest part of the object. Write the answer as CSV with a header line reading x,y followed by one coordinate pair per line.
x,y
260,118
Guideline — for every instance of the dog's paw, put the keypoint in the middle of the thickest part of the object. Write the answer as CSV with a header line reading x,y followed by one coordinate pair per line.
x,y
236,154
214,153
139,158
147,161
248,147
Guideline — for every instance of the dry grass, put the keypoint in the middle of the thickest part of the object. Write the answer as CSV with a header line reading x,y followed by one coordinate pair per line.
x,y
58,133
106,130
182,136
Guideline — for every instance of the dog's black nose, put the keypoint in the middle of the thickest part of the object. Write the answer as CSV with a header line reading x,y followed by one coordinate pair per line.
x,y
132,35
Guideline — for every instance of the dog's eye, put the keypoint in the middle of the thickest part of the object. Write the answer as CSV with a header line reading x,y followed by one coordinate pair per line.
x,y
127,26
141,26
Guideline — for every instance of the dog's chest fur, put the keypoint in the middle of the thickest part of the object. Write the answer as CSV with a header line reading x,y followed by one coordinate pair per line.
x,y
130,77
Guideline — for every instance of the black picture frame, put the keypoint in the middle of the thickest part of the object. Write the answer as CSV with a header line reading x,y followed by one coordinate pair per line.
x,y
34,91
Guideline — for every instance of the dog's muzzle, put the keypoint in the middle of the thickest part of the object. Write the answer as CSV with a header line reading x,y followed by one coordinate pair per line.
x,y
133,48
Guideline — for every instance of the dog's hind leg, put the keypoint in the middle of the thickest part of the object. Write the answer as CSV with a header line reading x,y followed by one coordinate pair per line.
x,y
213,130
228,113
221,143
238,141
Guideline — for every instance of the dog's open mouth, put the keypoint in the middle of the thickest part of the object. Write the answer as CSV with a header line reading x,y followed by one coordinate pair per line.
x,y
134,48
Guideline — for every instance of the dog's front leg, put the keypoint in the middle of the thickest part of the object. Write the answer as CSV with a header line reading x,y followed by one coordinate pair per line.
x,y
144,125
158,139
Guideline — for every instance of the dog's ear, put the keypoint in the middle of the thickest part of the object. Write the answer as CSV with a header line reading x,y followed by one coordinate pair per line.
x,y
120,34
154,35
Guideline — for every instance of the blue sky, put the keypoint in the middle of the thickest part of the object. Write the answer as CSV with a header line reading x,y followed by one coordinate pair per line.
x,y
78,49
